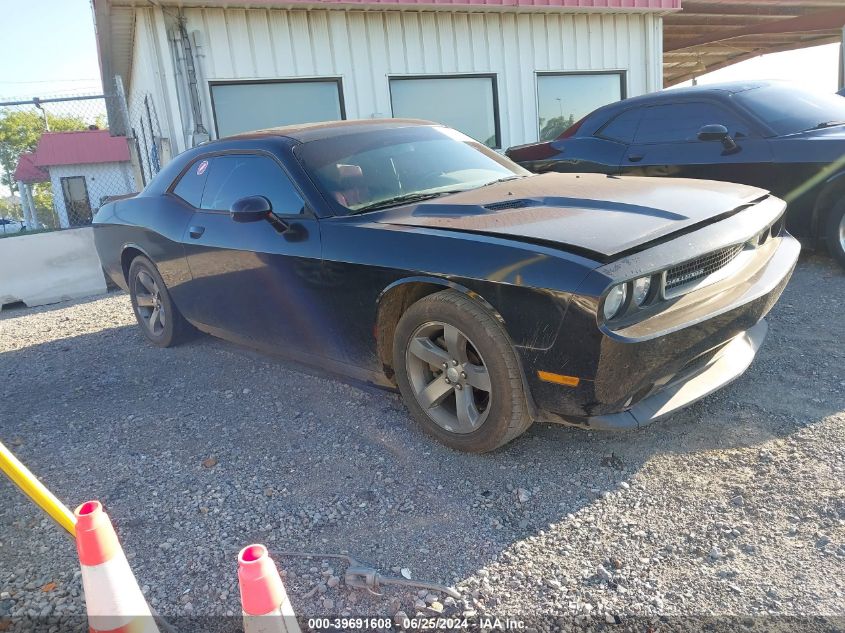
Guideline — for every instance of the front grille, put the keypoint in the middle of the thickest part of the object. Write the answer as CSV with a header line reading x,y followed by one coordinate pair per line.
x,y
701,267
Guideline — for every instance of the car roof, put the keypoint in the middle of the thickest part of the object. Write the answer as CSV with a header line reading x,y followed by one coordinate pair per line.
x,y
304,132
713,90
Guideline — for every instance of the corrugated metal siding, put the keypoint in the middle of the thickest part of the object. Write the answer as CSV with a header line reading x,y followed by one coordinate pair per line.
x,y
577,5
364,48
151,59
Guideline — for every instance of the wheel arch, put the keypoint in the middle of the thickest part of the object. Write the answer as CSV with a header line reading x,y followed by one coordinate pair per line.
x,y
130,252
833,191
398,297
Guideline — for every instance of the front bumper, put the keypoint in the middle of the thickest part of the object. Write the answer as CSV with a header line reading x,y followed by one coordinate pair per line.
x,y
633,376
728,364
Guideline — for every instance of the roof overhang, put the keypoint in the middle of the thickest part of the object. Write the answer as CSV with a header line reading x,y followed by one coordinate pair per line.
x,y
114,20
711,34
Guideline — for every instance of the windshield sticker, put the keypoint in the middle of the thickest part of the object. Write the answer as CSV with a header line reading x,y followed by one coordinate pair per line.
x,y
202,167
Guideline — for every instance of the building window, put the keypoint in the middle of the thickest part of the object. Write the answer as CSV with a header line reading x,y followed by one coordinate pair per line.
x,y
467,103
564,98
245,106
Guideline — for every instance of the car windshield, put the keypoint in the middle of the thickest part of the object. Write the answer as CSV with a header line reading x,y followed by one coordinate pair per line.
x,y
370,170
788,110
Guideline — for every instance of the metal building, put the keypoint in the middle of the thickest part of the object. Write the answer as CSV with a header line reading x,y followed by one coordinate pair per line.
x,y
503,71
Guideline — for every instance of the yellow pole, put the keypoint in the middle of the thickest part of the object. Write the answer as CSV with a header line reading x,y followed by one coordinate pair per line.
x,y
35,490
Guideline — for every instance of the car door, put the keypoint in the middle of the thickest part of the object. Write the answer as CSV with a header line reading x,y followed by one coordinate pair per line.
x,y
254,282
666,143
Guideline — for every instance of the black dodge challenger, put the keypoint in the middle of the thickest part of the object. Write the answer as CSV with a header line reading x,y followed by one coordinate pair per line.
x,y
766,134
406,254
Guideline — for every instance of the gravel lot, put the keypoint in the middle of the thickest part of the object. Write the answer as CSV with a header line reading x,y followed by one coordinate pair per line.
x,y
734,506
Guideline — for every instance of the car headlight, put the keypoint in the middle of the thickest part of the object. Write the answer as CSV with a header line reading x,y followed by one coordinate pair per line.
x,y
615,301
641,288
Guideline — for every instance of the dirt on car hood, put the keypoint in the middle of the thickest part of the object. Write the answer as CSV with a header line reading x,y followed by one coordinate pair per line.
x,y
591,213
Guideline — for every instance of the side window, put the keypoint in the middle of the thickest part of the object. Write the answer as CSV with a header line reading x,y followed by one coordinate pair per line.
x,y
623,128
192,182
234,176
680,122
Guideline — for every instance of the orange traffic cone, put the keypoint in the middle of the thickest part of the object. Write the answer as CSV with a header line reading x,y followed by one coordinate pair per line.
x,y
265,603
112,597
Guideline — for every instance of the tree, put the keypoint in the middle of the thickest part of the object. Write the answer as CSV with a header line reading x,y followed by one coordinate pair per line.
x,y
42,195
19,133
555,126
9,210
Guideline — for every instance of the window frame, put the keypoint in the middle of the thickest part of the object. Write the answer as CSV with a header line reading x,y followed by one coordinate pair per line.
x,y
497,127
336,79
538,74
599,133
307,211
714,103
68,204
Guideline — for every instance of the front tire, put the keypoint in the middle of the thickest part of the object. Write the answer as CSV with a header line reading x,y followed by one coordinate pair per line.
x,y
458,373
835,233
159,319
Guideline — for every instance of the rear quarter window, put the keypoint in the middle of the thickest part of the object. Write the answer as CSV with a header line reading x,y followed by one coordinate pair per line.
x,y
191,184
622,128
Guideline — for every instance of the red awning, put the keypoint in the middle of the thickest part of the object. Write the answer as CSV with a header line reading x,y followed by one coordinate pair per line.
x,y
78,148
27,171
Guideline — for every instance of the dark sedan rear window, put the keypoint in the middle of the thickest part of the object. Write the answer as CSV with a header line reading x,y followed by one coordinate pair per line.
x,y
788,110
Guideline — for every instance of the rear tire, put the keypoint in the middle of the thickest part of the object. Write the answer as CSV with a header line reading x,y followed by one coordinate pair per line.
x,y
158,317
458,373
835,233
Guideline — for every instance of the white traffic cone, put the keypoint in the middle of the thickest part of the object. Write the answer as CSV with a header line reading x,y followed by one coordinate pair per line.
x,y
113,600
264,601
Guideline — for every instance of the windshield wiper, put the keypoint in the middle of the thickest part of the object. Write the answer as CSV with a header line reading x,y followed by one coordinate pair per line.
x,y
825,124
498,180
397,200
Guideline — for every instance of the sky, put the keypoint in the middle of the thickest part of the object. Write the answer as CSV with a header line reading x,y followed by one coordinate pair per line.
x,y
48,47
53,50
815,68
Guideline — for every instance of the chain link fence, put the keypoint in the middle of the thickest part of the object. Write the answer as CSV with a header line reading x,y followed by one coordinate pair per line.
x,y
63,156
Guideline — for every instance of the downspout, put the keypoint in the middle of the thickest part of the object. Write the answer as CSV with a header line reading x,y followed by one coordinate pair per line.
x,y
199,134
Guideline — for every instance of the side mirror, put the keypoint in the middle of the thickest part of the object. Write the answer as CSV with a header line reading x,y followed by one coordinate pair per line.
x,y
717,132
250,209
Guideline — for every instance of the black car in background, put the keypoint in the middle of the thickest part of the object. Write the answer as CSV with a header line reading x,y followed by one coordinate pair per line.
x,y
766,134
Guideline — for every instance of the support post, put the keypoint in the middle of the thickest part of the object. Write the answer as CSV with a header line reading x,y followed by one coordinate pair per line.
x,y
842,60
27,213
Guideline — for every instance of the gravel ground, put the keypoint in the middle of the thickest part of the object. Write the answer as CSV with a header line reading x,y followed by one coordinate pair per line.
x,y
734,506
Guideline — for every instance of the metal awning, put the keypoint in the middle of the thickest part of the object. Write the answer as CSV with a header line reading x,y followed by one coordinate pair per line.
x,y
710,34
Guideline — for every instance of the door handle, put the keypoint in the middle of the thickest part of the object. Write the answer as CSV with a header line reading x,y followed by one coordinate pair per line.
x,y
635,158
196,231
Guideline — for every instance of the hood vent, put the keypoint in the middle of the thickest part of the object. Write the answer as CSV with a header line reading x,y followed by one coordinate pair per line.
x,y
508,204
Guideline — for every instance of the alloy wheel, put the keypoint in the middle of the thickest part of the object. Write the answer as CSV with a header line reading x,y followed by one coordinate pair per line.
x,y
448,376
842,233
150,306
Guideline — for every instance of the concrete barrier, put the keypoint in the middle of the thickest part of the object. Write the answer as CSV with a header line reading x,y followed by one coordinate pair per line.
x,y
50,267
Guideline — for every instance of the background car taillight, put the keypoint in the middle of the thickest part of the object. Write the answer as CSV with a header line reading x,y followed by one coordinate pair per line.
x,y
532,152
572,130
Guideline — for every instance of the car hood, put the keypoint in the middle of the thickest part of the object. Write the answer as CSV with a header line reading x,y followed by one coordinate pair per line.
x,y
600,216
